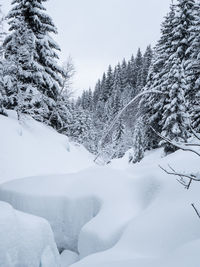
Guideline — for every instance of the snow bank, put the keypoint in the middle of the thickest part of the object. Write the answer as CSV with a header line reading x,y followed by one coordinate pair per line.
x,y
88,211
31,148
25,240
167,232
138,216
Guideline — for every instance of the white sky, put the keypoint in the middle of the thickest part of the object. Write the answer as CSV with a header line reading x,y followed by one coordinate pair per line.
x,y
96,33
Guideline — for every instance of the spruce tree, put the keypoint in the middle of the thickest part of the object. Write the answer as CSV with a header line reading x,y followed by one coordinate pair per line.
x,y
147,58
118,140
46,74
192,68
22,95
152,105
174,119
138,142
3,98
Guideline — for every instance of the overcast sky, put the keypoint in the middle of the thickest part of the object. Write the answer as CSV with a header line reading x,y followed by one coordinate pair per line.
x,y
96,33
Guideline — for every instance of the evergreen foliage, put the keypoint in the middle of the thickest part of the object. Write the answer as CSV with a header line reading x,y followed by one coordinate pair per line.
x,y
35,75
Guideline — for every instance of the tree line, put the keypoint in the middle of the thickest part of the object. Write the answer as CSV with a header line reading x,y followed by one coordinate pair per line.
x,y
172,68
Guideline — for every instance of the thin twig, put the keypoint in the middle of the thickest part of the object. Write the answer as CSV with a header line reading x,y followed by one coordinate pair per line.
x,y
194,132
197,212
191,177
174,143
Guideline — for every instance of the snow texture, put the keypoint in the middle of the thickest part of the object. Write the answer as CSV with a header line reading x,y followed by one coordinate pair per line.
x,y
25,240
68,258
30,148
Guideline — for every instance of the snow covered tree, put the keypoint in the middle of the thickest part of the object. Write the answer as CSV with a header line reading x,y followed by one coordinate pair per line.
x,y
167,74
81,129
138,70
138,143
152,105
119,142
2,63
22,93
45,74
108,84
174,119
147,58
192,68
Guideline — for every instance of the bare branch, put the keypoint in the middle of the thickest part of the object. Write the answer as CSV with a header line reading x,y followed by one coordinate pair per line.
x,y
194,132
197,212
191,177
179,146
189,144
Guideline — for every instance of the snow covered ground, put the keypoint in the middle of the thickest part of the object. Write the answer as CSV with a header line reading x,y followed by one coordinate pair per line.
x,y
31,149
120,215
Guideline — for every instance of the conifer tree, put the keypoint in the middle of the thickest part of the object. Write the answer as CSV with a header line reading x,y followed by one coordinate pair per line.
x,y
152,105
118,141
147,58
107,90
46,74
3,98
174,119
138,143
192,68
138,69
21,93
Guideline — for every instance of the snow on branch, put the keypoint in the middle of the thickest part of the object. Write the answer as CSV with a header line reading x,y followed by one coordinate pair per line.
x,y
183,147
192,177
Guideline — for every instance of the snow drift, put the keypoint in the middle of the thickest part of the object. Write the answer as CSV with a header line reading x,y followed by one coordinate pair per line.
x,y
136,217
25,240
32,148
87,210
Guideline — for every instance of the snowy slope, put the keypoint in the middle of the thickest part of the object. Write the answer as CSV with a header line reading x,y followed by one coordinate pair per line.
x,y
119,215
31,148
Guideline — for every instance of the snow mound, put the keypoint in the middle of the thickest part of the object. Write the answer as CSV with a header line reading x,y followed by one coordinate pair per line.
x,y
68,258
25,240
88,211
167,232
31,148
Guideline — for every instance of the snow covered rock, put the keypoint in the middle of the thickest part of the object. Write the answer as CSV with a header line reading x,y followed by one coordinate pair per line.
x,y
25,240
